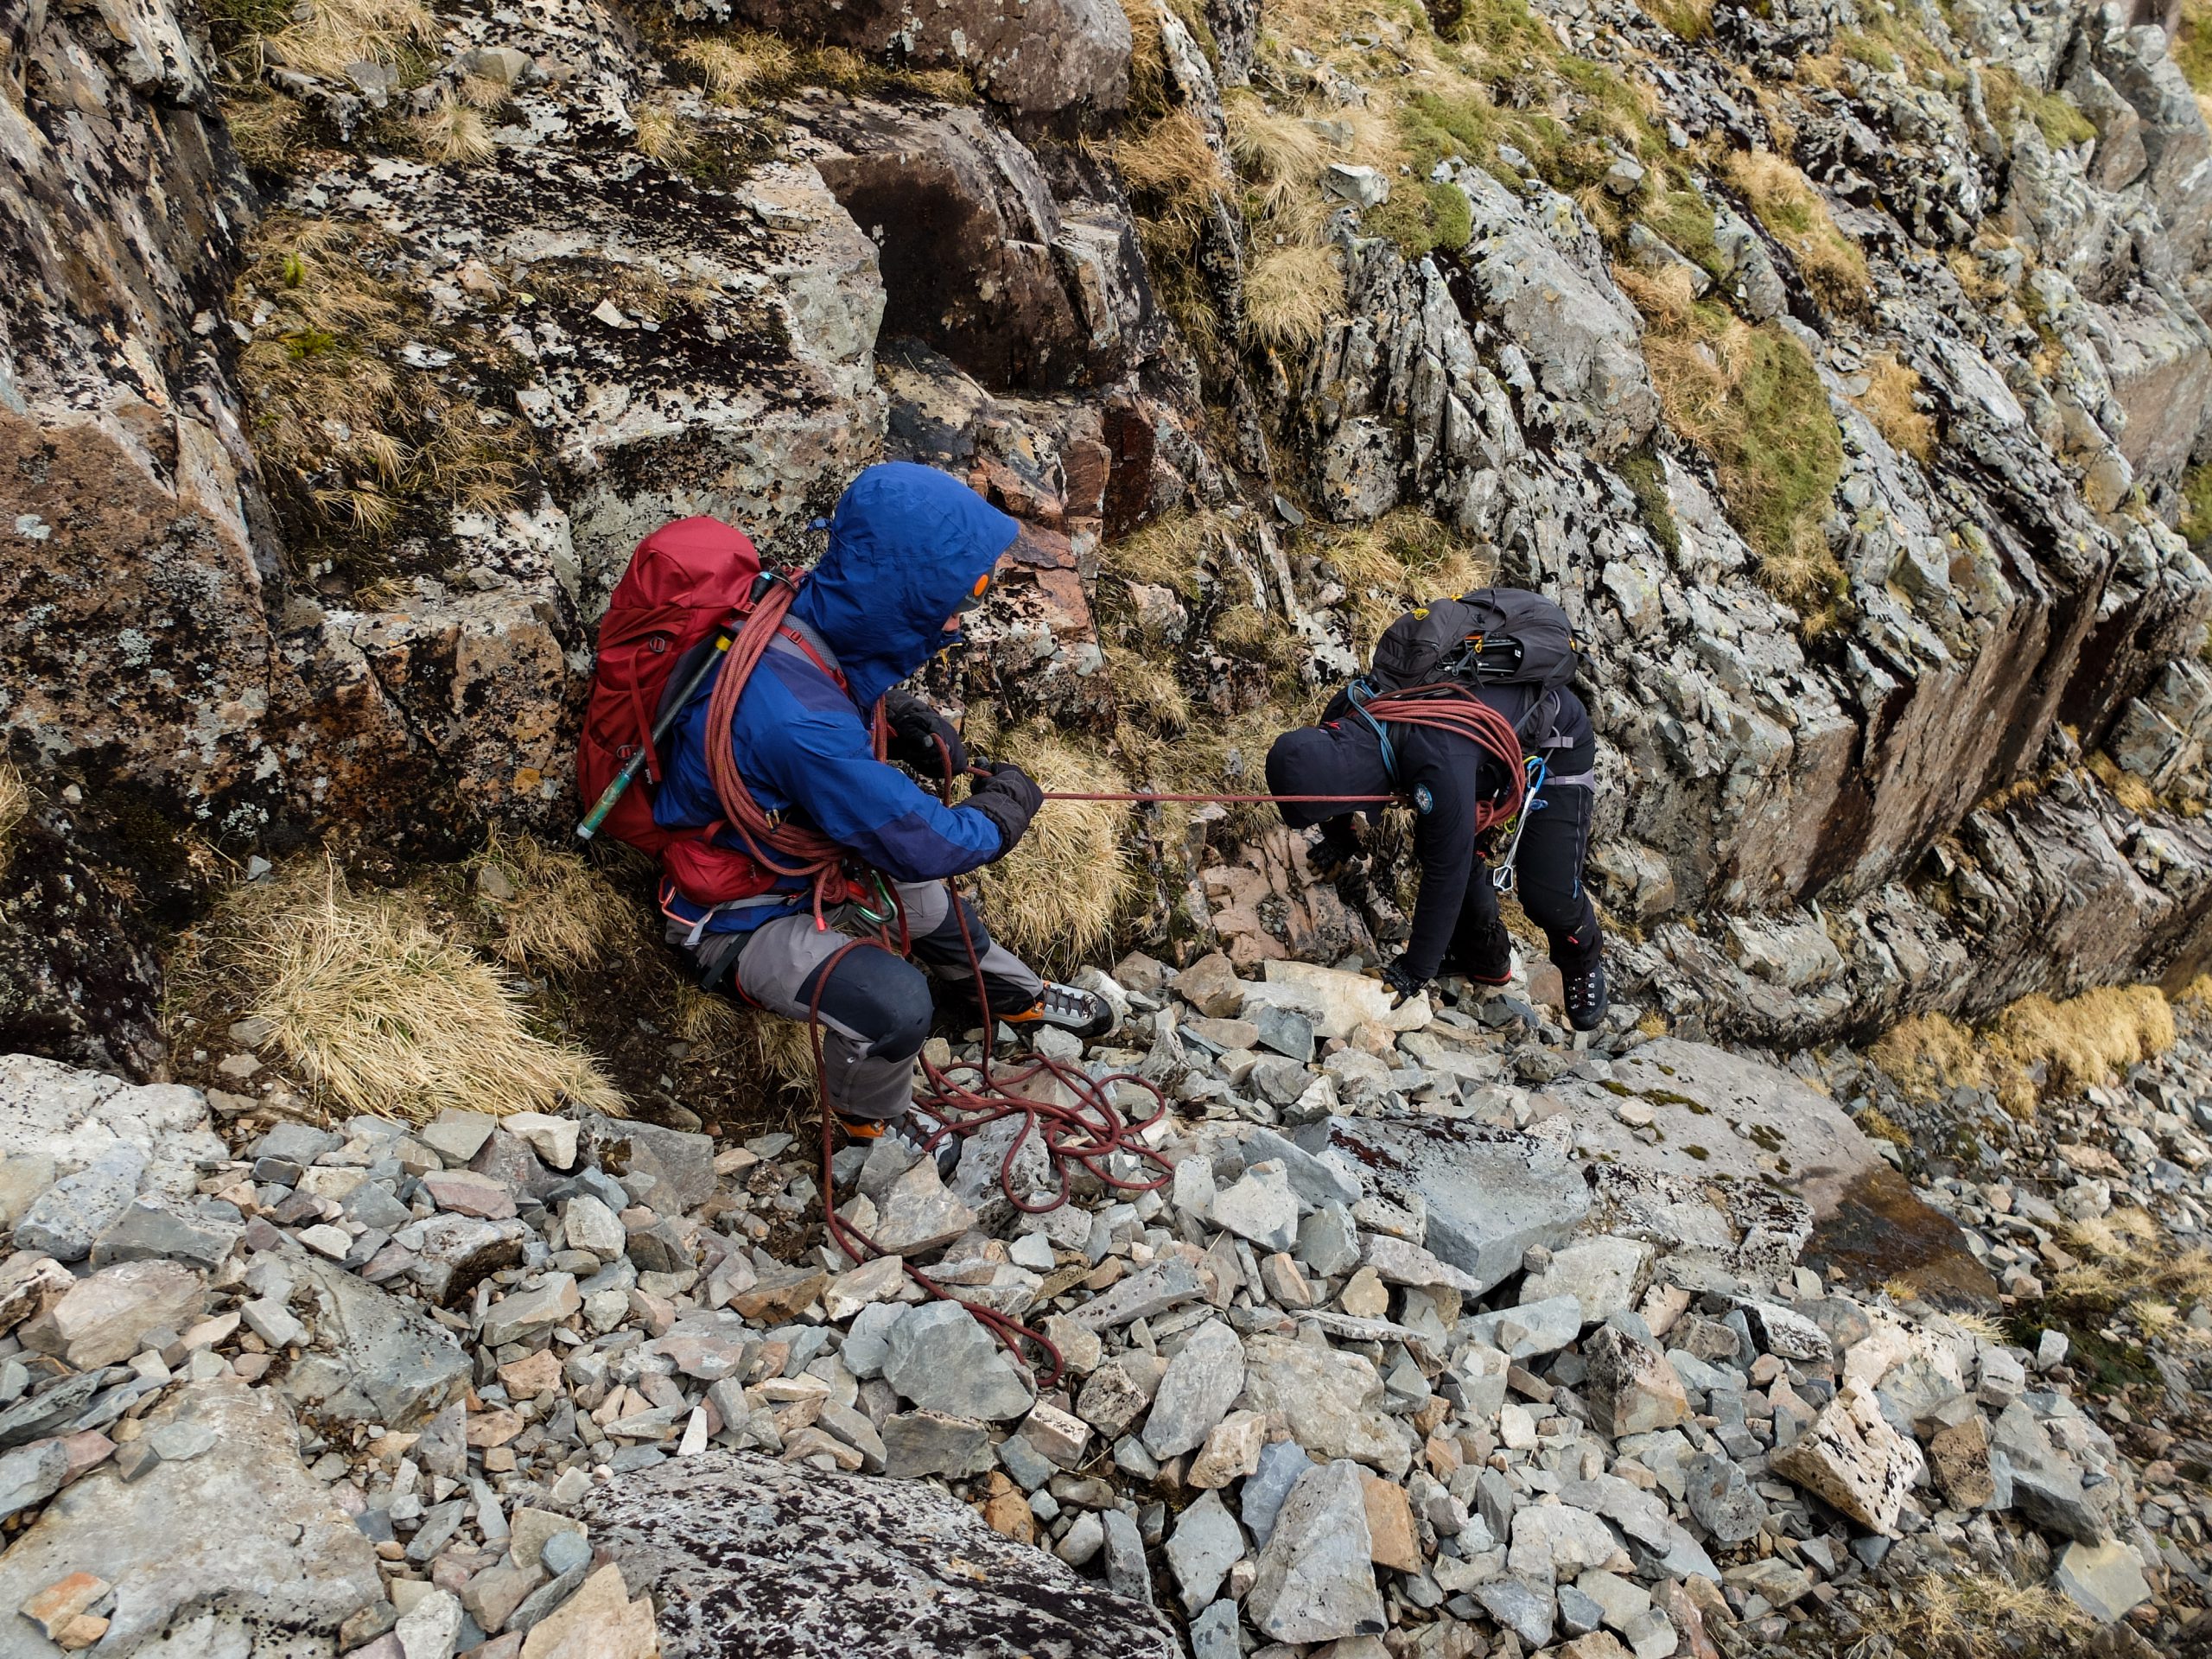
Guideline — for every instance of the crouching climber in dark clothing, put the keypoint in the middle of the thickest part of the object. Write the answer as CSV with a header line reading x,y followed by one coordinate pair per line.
x,y
1445,776
910,551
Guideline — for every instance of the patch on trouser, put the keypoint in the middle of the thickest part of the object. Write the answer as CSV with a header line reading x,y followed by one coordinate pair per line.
x,y
933,933
875,1007
869,1040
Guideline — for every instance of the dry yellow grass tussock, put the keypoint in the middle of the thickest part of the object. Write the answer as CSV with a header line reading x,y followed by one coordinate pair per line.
x,y
1276,153
15,807
1394,563
1793,210
1171,159
455,132
1290,293
776,1053
1166,553
2128,1264
2087,1039
1145,690
2090,1039
335,33
736,66
384,1013
1928,1053
2126,788
1059,893
1965,1615
1888,401
552,910
664,134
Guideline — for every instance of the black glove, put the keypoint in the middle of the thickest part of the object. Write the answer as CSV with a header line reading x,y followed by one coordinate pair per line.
x,y
1009,799
916,729
1329,861
1400,979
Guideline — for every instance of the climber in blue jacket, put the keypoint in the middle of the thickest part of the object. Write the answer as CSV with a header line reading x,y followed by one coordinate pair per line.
x,y
911,551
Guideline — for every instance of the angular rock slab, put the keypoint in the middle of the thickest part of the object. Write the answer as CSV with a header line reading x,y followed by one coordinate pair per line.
x,y
748,1559
1316,1578
376,1355
1489,1195
1852,1459
239,1542
1720,1114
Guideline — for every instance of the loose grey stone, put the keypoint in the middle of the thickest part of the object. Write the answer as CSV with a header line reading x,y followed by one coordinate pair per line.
x,y
941,1359
31,1474
1260,1206
65,1220
2105,1580
242,1512
916,1443
1531,1329
1213,1632
1317,1181
564,1552
1205,1544
1487,1200
454,1136
1328,1242
1126,1569
1316,1581
1201,1383
1722,1500
152,1228
1521,1608
376,1356
1285,1031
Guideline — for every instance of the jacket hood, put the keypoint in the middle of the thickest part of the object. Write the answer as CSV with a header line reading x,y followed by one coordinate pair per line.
x,y
907,544
1339,758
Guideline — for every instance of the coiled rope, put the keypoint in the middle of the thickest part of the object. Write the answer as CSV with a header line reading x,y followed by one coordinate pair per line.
x,y
1081,1127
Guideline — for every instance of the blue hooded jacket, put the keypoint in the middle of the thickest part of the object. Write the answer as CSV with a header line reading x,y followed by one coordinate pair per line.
x,y
907,544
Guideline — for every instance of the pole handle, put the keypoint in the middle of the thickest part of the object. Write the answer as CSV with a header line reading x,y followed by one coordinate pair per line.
x,y
614,791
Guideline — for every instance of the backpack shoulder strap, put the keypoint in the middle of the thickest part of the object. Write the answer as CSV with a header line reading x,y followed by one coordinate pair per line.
x,y
1357,693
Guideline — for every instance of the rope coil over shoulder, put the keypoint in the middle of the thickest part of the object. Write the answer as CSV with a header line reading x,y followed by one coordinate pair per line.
x,y
1446,706
787,850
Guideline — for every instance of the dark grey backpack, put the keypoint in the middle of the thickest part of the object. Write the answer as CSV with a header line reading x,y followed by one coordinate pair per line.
x,y
1494,636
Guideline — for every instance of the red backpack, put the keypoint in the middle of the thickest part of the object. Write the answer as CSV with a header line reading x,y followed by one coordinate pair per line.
x,y
684,580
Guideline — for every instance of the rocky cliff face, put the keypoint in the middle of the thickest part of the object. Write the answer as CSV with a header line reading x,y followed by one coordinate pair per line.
x,y
1843,369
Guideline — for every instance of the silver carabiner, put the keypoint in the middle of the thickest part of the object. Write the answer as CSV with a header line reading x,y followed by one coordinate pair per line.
x,y
1503,877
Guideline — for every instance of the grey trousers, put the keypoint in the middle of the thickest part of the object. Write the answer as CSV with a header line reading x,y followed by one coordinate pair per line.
x,y
875,1005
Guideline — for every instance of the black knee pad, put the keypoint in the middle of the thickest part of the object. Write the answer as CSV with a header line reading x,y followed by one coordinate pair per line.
x,y
882,997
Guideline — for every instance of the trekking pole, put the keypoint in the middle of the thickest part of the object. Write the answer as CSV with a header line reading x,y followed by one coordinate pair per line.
x,y
623,778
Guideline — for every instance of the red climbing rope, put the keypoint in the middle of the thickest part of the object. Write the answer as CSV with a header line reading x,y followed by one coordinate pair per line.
x,y
788,850
1082,1128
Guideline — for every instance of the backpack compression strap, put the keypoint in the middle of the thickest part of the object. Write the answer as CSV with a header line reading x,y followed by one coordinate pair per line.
x,y
788,850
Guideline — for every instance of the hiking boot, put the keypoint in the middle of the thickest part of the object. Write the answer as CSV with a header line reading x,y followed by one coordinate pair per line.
x,y
1489,964
908,1129
1068,1008
1585,997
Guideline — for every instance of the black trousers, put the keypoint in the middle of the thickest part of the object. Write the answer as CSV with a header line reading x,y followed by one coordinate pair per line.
x,y
1547,882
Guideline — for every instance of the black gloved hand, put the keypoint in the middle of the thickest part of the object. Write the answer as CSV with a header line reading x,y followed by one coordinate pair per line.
x,y
917,727
1009,797
1403,986
1328,861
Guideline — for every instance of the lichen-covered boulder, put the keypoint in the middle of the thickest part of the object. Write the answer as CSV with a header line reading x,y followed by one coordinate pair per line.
x,y
748,1558
1036,56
